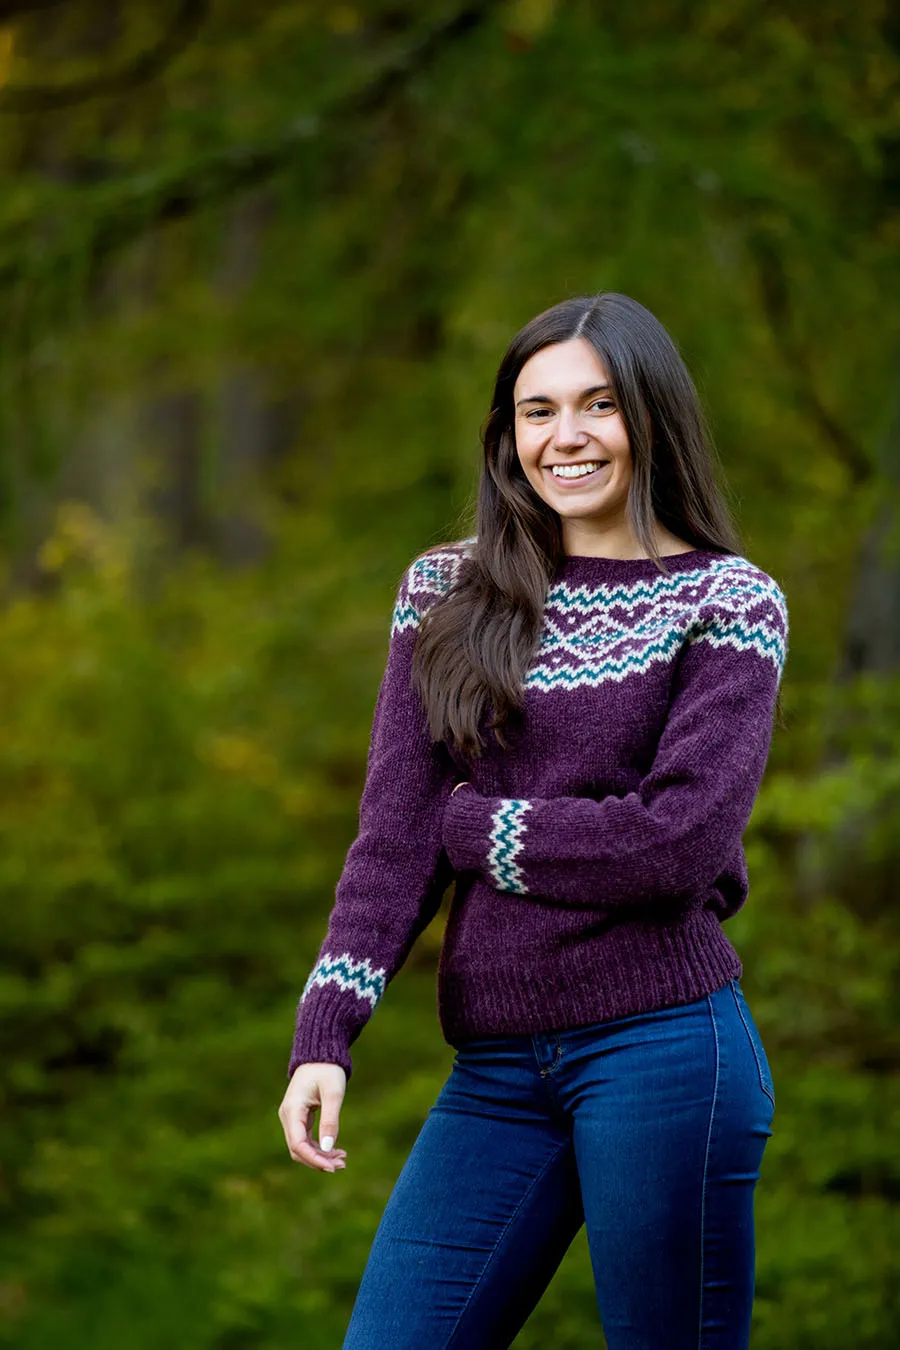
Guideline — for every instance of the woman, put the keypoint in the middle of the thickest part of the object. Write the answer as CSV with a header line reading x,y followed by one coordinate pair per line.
x,y
574,722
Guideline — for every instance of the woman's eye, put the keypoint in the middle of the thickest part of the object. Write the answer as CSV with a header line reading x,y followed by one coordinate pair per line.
x,y
537,413
604,404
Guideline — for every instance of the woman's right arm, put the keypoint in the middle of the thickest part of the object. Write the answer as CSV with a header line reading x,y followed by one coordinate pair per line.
x,y
391,885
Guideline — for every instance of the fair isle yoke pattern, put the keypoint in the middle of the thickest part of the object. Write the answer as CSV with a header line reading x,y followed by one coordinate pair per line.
x,y
354,976
596,634
506,840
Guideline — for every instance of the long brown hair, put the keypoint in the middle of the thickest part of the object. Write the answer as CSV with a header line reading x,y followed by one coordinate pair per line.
x,y
475,645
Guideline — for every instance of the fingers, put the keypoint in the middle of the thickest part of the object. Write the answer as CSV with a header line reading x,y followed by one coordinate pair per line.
x,y
329,1120
295,1114
304,1149
311,1155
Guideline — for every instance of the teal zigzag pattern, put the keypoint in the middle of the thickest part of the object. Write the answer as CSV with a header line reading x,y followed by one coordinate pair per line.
x,y
507,840
405,616
357,977
726,579
587,638
611,667
745,636
425,580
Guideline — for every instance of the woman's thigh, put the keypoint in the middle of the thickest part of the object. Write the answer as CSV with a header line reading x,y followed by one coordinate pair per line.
x,y
482,1213
671,1114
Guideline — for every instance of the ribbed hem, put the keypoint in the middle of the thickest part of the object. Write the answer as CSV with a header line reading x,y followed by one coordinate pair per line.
x,y
328,1021
631,968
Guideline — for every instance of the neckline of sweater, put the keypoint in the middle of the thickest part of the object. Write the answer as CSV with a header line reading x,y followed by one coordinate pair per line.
x,y
590,568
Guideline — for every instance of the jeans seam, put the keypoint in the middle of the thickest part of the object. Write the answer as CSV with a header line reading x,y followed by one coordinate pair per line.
x,y
551,1068
759,1067
712,1116
500,1236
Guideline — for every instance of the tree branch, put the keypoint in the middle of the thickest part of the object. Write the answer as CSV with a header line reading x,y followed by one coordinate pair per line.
x,y
188,21
147,200
775,295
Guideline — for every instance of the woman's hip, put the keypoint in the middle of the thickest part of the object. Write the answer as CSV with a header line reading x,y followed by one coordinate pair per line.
x,y
667,1064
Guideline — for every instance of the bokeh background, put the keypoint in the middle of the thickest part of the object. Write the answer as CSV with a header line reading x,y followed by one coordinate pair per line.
x,y
258,264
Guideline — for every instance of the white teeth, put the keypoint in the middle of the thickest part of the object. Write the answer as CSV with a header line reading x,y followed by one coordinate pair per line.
x,y
574,470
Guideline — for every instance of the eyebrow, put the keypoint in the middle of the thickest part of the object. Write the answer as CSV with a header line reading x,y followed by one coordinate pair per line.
x,y
545,398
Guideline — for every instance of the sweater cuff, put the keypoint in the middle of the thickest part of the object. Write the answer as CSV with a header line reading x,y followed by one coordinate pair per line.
x,y
487,835
322,1034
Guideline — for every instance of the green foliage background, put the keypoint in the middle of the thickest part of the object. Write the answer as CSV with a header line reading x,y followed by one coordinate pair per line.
x,y
253,304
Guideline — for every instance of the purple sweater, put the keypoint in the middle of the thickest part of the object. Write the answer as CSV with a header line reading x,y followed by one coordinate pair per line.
x,y
596,858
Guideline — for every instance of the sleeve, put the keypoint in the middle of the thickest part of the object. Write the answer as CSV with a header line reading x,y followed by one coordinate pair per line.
x,y
681,827
395,871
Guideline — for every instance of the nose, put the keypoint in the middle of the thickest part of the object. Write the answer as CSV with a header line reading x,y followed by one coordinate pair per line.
x,y
570,435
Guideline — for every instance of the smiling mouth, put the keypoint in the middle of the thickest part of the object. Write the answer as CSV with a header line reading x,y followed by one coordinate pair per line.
x,y
572,474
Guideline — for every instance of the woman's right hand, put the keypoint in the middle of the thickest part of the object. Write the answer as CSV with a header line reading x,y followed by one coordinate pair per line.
x,y
314,1087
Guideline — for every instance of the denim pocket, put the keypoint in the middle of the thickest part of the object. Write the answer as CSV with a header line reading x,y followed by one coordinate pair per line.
x,y
759,1054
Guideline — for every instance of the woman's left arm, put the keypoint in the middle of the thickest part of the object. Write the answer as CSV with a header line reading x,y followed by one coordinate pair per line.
x,y
680,828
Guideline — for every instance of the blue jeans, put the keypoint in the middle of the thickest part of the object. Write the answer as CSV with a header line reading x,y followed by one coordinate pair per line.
x,y
649,1129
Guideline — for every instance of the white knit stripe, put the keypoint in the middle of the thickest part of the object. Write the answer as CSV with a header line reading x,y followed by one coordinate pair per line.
x,y
507,838
356,976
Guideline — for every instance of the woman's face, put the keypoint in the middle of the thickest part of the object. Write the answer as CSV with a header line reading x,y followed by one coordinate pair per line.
x,y
566,419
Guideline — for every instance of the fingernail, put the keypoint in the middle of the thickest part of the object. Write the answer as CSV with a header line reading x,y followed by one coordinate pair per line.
x,y
327,1144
